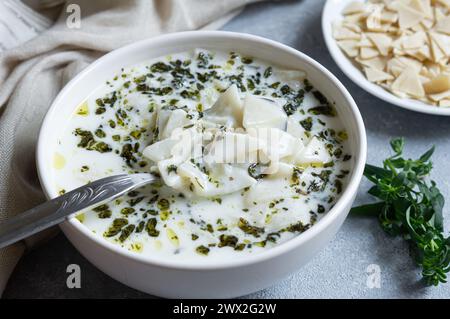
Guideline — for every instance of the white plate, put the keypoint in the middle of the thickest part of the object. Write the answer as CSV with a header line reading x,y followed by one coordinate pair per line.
x,y
332,12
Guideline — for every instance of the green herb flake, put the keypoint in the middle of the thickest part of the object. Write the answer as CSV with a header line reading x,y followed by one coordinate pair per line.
x,y
88,142
151,227
134,201
202,60
116,138
246,60
136,134
202,250
100,110
255,171
308,87
268,72
245,226
112,124
100,208
104,214
307,123
326,110
172,169
116,227
227,240
296,228
100,133
127,153
127,211
160,67
163,204
140,227
126,232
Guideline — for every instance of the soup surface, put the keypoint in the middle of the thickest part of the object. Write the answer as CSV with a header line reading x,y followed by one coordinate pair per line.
x,y
249,155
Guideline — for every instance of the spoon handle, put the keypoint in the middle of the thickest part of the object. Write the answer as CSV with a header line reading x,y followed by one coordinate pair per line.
x,y
58,209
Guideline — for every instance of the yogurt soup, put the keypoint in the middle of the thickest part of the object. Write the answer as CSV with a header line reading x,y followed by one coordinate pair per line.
x,y
249,155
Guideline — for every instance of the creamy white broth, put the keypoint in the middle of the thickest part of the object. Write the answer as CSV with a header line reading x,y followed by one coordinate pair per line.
x,y
108,133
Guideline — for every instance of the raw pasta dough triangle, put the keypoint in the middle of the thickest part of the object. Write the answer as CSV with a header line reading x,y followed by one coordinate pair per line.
x,y
409,82
408,17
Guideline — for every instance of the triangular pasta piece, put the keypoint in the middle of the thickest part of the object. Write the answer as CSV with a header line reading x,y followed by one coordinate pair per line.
x,y
408,17
388,16
415,53
438,15
427,23
443,42
349,47
352,26
440,96
436,51
443,25
314,152
227,110
419,27
409,82
423,6
402,63
368,53
365,42
373,21
425,52
378,62
374,75
414,41
342,33
381,41
260,112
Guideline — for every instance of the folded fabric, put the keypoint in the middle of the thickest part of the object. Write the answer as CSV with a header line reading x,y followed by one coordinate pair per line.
x,y
32,74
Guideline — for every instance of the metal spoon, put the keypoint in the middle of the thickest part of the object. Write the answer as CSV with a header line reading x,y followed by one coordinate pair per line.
x,y
60,208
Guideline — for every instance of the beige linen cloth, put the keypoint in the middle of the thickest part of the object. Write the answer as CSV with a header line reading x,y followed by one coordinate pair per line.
x,y
32,74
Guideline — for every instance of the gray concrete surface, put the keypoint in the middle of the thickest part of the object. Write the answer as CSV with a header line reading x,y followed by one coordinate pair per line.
x,y
339,271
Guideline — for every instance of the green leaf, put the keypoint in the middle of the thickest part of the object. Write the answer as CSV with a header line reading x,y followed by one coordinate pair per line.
x,y
427,155
374,191
377,172
397,145
398,162
409,224
410,207
368,209
438,218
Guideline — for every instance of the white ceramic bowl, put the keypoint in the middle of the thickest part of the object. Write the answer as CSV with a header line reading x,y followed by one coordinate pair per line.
x,y
206,278
331,13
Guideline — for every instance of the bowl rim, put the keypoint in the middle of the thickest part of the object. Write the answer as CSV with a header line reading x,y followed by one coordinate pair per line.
x,y
339,208
359,79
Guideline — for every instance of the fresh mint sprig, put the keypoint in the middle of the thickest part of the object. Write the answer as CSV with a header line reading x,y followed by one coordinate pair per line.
x,y
411,206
